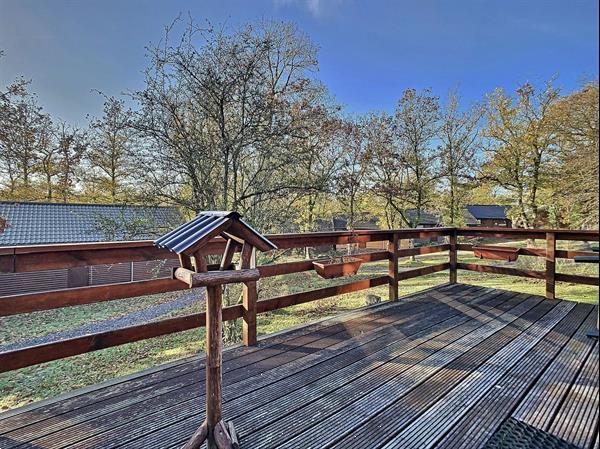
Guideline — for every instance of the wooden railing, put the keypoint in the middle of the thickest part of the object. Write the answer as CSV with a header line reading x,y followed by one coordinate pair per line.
x,y
35,258
550,253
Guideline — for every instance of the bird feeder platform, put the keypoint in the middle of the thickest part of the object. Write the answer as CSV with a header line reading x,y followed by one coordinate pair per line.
x,y
190,242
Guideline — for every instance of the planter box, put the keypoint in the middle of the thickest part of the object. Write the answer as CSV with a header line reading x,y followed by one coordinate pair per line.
x,y
346,266
496,253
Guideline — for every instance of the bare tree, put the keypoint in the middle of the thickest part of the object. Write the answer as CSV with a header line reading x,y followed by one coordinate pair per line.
x,y
70,148
386,172
350,179
416,124
224,116
48,157
319,167
110,145
459,135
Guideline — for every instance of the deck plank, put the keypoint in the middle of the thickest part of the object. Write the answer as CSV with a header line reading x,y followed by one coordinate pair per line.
x,y
397,376
481,421
96,395
116,411
41,422
542,402
407,408
579,411
444,414
444,368
177,424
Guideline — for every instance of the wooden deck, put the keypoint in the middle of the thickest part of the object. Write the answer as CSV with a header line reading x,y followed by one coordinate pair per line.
x,y
446,368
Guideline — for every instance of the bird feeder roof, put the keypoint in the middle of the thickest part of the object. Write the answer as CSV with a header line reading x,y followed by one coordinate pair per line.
x,y
196,233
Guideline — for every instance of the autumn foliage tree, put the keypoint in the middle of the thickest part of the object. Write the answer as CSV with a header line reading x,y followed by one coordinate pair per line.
x,y
110,154
416,125
574,119
521,147
40,158
23,133
237,118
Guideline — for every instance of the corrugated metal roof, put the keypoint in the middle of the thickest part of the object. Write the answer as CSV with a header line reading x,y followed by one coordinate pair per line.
x,y
482,211
205,226
29,223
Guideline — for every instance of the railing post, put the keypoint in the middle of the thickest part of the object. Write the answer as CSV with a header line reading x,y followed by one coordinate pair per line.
x,y
214,329
453,256
249,322
393,267
249,298
550,265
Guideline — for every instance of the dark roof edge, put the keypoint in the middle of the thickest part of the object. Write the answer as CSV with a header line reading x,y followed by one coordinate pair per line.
x,y
495,205
48,203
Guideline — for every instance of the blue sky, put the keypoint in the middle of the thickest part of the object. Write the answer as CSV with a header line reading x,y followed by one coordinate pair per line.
x,y
370,51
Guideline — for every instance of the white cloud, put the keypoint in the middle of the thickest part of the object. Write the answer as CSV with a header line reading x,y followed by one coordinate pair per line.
x,y
314,7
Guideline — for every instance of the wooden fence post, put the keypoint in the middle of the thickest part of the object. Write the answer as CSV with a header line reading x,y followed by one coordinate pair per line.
x,y
393,267
453,256
249,298
214,329
550,265
249,320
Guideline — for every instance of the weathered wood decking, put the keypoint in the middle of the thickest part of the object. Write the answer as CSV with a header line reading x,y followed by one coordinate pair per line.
x,y
445,368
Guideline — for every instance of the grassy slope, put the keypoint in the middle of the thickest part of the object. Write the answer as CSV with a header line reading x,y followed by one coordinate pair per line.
x,y
35,383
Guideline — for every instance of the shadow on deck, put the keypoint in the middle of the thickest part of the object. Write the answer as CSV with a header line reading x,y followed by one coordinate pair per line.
x,y
456,366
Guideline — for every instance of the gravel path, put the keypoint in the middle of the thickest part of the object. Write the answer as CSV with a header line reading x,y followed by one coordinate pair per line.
x,y
189,297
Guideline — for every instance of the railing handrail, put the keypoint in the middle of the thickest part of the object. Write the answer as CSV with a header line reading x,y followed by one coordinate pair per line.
x,y
580,234
37,257
53,256
145,243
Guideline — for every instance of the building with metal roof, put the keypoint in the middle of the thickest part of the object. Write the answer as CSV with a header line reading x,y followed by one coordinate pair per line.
x,y
31,223
487,215
426,219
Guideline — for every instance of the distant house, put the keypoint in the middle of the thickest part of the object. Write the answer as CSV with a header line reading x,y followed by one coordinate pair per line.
x,y
428,219
364,224
30,223
490,216
483,215
487,216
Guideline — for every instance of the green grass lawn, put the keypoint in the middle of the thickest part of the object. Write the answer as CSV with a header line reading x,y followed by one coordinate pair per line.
x,y
43,381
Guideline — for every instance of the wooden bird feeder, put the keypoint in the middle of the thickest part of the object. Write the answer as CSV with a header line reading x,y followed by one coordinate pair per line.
x,y
507,254
189,242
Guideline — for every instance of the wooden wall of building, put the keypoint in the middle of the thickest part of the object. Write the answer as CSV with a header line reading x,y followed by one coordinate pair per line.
x,y
40,281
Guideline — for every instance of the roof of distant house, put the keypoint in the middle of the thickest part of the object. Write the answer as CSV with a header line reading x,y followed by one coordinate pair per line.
x,y
493,211
365,223
427,217
33,223
469,219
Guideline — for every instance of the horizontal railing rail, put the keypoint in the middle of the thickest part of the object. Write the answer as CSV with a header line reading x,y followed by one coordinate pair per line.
x,y
26,259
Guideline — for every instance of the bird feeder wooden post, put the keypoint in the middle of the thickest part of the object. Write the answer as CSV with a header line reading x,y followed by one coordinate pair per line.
x,y
189,242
